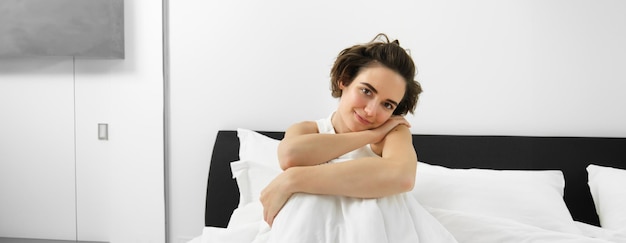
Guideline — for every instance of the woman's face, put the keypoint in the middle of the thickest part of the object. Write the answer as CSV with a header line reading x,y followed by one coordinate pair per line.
x,y
369,101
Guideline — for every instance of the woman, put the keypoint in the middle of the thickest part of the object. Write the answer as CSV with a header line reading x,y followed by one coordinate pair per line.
x,y
345,177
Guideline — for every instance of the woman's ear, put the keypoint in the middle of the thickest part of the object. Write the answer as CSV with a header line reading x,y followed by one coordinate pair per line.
x,y
341,86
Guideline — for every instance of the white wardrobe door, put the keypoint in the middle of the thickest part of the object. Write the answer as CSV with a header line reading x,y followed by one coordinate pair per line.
x,y
37,172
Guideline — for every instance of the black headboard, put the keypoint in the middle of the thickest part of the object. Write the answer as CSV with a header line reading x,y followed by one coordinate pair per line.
x,y
568,154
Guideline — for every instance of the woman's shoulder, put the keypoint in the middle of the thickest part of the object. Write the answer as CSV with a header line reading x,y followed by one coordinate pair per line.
x,y
400,135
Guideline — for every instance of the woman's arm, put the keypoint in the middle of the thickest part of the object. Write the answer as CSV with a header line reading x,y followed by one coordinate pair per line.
x,y
304,146
369,177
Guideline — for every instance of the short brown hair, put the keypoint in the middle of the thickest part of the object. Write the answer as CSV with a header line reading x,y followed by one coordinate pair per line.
x,y
380,50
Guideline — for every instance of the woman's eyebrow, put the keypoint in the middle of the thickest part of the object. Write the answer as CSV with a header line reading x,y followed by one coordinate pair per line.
x,y
376,92
370,87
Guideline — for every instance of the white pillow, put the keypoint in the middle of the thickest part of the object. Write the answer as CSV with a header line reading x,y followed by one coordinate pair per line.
x,y
258,147
609,195
530,197
257,165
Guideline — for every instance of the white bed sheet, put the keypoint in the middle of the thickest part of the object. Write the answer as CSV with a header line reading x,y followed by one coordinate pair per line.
x,y
611,235
474,228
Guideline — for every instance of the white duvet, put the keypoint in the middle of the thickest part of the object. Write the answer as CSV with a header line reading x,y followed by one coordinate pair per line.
x,y
312,218
397,218
247,226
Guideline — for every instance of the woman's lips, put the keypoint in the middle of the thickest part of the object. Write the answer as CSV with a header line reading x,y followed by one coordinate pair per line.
x,y
361,119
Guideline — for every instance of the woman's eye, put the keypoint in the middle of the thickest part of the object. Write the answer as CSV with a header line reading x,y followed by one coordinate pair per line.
x,y
366,91
389,106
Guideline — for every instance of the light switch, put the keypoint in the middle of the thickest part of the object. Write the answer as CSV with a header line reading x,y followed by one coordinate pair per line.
x,y
103,131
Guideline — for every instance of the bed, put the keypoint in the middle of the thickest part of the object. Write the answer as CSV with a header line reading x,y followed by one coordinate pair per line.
x,y
488,182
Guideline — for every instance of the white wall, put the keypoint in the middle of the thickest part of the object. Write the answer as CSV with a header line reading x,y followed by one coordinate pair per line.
x,y
519,67
48,141
136,161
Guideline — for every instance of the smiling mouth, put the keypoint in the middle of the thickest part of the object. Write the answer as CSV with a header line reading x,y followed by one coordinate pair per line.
x,y
361,119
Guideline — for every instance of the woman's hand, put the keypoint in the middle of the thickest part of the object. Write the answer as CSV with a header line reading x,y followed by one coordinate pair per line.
x,y
385,128
275,195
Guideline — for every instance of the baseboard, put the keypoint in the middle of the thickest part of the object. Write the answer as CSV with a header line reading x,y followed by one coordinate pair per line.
x,y
25,240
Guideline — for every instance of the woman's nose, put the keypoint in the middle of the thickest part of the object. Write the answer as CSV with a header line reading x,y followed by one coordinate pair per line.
x,y
370,109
